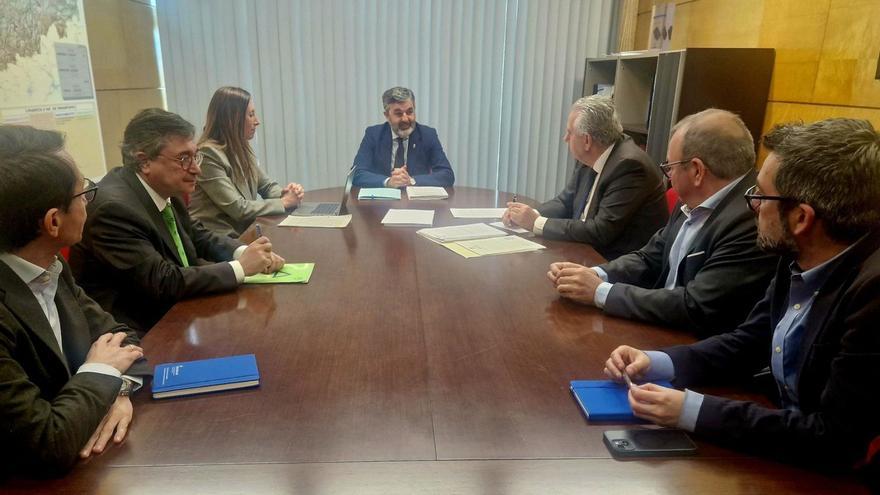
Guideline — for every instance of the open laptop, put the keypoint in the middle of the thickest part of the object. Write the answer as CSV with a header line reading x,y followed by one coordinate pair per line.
x,y
327,209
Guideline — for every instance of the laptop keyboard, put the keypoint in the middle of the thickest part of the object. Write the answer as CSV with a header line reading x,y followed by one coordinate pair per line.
x,y
326,209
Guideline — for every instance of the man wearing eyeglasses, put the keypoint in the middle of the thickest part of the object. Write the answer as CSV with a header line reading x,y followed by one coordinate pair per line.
x,y
702,271
817,202
66,366
140,251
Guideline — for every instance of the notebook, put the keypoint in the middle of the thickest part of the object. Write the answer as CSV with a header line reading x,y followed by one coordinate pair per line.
x,y
606,400
205,375
378,193
406,217
426,192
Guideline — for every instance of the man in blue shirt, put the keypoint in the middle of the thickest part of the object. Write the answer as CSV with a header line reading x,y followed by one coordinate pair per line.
x,y
817,201
401,152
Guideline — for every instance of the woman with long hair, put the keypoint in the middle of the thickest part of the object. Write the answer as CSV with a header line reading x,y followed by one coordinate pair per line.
x,y
232,189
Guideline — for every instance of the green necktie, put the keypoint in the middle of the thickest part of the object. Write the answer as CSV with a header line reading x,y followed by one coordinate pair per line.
x,y
168,216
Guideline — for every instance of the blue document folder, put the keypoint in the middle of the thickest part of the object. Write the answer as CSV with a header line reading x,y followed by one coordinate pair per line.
x,y
605,400
205,375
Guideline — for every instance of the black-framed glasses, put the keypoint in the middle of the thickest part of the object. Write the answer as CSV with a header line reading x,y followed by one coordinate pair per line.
x,y
666,165
186,162
90,190
754,198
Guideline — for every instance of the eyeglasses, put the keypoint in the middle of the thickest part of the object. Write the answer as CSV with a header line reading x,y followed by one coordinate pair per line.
x,y
186,162
666,165
90,190
754,198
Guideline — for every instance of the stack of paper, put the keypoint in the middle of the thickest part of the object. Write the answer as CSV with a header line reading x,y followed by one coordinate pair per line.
x,y
460,232
477,212
499,245
396,217
514,229
332,222
426,192
378,193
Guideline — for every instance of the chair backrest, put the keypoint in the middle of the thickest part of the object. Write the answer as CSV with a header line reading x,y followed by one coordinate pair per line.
x,y
671,199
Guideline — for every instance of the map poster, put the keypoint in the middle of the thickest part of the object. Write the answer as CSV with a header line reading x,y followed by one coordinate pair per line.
x,y
46,78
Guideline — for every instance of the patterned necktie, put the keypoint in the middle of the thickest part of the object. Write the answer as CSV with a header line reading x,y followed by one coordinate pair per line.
x,y
398,157
168,216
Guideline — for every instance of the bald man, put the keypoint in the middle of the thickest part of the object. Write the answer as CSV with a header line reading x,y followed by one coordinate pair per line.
x,y
703,271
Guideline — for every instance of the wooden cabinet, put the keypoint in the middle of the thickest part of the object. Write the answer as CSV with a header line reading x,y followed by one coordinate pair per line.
x,y
653,90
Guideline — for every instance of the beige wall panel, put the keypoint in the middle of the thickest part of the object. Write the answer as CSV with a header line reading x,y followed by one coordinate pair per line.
x,y
724,23
116,108
849,56
797,35
643,31
645,6
121,44
778,113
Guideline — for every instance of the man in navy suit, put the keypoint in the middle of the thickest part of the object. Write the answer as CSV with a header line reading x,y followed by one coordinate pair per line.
x,y
401,153
817,201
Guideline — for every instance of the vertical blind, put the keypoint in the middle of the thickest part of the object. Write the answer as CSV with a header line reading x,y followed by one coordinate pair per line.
x,y
494,77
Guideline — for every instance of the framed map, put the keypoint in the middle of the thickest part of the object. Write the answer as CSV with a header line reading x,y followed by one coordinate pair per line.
x,y
46,76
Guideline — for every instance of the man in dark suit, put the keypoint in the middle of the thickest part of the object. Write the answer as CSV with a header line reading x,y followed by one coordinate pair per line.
x,y
140,251
818,204
703,271
614,201
401,153
63,394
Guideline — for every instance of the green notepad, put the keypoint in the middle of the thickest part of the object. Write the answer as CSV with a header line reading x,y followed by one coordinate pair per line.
x,y
291,273
379,193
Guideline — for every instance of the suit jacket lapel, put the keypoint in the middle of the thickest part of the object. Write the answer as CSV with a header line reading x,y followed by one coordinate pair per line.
x,y
22,303
152,212
76,344
735,194
384,147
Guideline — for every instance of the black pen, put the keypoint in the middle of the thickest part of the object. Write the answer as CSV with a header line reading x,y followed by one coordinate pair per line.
x,y
514,198
259,231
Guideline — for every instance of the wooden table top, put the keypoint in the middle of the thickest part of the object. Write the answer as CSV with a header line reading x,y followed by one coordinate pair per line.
x,y
401,367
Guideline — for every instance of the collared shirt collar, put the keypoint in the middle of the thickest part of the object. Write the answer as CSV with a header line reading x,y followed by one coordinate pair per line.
x,y
712,201
815,277
395,136
158,200
603,158
27,271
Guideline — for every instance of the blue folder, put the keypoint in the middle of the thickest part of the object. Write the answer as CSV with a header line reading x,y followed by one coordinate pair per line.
x,y
606,400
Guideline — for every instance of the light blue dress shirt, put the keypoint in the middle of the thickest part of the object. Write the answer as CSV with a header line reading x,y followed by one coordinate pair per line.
x,y
695,219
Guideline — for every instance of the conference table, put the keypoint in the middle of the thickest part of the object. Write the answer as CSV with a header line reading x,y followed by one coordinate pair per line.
x,y
402,367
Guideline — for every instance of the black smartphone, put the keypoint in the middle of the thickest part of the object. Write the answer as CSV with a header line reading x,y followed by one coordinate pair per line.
x,y
649,443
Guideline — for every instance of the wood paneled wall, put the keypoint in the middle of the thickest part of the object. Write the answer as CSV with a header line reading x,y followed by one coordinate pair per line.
x,y
826,50
125,65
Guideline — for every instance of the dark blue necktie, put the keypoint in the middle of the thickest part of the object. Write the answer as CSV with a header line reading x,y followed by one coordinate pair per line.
x,y
589,187
398,157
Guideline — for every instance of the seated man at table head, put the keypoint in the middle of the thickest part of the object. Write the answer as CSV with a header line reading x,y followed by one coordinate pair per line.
x,y
62,358
817,202
401,152
232,190
141,252
615,199
703,271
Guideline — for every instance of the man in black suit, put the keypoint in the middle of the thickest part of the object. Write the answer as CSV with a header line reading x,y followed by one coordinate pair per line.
x,y
140,251
817,201
614,201
703,271
63,394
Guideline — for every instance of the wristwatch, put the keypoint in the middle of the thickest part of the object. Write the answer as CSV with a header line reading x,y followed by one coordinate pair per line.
x,y
126,388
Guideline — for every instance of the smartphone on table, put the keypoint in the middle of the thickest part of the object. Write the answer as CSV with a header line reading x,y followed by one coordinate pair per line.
x,y
663,442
